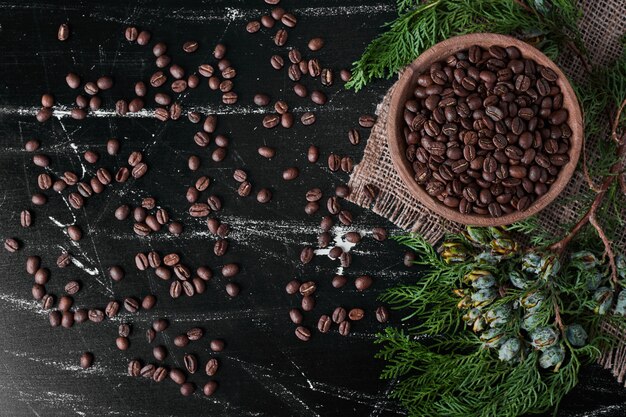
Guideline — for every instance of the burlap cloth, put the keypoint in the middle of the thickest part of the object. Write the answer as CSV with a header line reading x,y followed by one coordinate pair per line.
x,y
602,26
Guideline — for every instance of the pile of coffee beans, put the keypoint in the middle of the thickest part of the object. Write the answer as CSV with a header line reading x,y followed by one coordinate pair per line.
x,y
486,131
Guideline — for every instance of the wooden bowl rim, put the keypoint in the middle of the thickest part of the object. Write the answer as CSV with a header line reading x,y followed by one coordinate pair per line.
x,y
397,143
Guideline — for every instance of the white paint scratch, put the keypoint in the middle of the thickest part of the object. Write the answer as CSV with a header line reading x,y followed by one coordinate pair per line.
x,y
244,14
61,112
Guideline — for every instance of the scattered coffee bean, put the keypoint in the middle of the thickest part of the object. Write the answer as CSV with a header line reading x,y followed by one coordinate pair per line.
x,y
303,333
363,282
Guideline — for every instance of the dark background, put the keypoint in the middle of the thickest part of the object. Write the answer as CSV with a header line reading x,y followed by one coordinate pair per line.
x,y
265,370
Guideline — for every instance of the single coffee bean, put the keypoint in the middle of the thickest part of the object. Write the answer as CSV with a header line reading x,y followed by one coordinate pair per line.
x,y
324,323
339,281
356,314
253,26
230,270
26,218
72,287
316,44
280,38
303,333
271,120
95,315
344,328
209,388
177,376
147,371
367,121
277,62
264,196
318,97
363,282
190,46
296,316
379,234
217,345
307,254
160,373
292,286
63,32
42,275
33,263
382,314
232,289
339,315
159,353
191,363
308,118
308,303
211,367
290,173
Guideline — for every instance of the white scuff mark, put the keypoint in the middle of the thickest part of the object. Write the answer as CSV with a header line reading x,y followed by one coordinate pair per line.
x,y
279,391
233,14
344,10
245,314
62,112
23,304
333,390
96,369
80,159
58,223
91,271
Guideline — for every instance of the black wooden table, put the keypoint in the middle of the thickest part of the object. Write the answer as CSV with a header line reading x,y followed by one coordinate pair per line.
x,y
265,369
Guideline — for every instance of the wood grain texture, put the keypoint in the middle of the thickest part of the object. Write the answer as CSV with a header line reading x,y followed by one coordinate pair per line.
x,y
265,370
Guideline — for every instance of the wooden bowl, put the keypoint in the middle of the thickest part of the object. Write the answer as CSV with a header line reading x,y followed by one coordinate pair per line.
x,y
404,90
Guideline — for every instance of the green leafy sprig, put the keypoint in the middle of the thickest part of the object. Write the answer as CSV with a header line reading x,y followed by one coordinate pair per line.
x,y
443,368
420,25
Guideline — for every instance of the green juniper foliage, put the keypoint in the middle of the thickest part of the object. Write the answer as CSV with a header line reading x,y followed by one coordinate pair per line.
x,y
494,329
420,25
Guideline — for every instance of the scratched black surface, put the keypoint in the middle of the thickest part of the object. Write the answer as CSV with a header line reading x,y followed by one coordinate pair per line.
x,y
265,369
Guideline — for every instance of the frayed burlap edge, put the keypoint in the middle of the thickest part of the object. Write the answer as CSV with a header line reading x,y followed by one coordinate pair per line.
x,y
602,26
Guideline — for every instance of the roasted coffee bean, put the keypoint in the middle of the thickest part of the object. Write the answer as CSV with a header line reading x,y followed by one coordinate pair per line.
x,y
339,281
191,363
345,217
221,247
261,99
363,282
72,287
232,289
380,234
148,302
253,26
303,333
308,118
291,173
271,120
42,275
292,286
354,136
230,270
307,254
280,38
318,97
300,90
382,315
334,162
211,367
339,315
244,189
327,77
344,328
33,263
324,323
367,121
277,62
264,196
356,314
177,376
